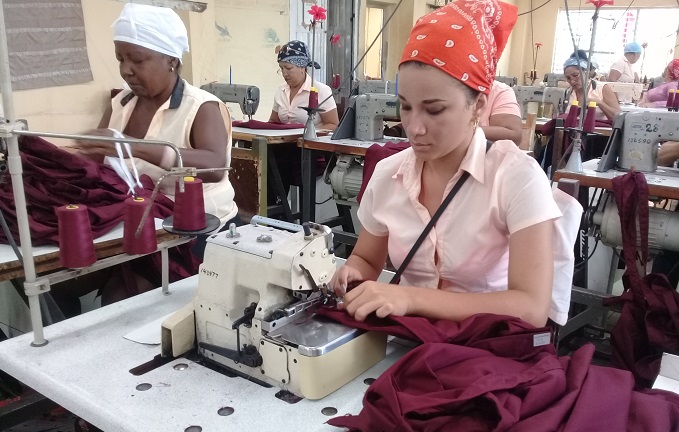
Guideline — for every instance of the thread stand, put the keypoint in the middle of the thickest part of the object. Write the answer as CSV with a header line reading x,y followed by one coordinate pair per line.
x,y
212,223
310,127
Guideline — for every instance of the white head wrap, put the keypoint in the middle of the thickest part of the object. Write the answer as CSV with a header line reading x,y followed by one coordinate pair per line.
x,y
156,28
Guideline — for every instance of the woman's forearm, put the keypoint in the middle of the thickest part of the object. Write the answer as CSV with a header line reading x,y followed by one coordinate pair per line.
x,y
368,271
438,304
608,110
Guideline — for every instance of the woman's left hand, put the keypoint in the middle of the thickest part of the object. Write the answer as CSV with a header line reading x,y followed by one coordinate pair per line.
x,y
96,150
383,299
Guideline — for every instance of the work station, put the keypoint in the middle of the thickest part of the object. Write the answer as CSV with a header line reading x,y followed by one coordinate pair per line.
x,y
328,215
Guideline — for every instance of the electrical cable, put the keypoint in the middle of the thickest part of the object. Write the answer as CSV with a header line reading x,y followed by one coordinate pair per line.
x,y
324,201
533,10
12,327
615,24
532,41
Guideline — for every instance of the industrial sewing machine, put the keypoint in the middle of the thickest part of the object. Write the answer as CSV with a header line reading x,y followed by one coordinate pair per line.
x,y
362,121
508,80
634,144
253,312
553,79
544,96
635,138
247,96
376,86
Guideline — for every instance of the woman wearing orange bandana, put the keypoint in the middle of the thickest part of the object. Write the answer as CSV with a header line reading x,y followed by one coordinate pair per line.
x,y
491,251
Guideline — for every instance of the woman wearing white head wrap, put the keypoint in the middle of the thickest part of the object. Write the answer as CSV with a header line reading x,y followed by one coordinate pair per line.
x,y
149,44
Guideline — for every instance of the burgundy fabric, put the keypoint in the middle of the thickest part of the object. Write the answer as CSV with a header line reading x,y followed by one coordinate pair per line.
x,y
649,321
374,154
54,177
256,124
505,333
483,374
446,387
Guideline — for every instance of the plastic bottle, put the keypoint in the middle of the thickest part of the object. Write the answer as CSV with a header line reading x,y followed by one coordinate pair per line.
x,y
590,119
573,112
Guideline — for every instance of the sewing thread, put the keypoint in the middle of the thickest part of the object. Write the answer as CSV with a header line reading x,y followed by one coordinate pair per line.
x,y
147,241
189,206
76,243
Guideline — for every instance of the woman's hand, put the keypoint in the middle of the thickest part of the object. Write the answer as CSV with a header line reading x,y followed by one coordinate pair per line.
x,y
96,150
343,277
383,299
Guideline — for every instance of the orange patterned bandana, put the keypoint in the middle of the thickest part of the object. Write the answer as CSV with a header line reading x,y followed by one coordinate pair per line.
x,y
464,39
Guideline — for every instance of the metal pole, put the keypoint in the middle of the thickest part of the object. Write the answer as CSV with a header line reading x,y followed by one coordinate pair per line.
x,y
574,163
15,170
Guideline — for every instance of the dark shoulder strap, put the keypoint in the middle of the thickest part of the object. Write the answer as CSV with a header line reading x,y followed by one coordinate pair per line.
x,y
463,178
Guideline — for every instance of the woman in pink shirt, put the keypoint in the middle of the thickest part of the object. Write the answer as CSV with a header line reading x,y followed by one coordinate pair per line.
x,y
492,249
657,97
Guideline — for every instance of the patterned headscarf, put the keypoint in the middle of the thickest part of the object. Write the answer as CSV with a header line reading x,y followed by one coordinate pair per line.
x,y
295,52
579,59
157,28
673,70
464,39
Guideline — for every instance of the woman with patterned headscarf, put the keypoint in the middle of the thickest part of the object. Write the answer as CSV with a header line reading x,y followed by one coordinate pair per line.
x,y
491,251
293,61
657,96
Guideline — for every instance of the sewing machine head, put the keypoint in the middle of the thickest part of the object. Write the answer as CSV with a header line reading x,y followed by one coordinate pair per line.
x,y
371,110
508,80
376,86
635,138
247,96
253,310
553,79
543,96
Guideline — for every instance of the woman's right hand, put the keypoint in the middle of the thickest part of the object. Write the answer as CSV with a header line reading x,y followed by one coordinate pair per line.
x,y
343,277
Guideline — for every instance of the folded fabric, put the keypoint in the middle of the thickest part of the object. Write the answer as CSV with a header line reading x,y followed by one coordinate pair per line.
x,y
54,177
374,154
256,124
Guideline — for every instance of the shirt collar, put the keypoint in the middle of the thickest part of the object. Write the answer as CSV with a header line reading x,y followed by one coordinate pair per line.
x,y
175,97
474,161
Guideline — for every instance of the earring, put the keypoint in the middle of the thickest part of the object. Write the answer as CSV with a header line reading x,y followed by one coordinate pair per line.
x,y
172,69
475,122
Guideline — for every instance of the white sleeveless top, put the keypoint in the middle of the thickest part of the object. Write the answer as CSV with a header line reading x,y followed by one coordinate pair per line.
x,y
172,122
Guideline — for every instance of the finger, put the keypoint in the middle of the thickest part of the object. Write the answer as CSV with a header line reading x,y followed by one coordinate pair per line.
x,y
366,309
385,310
354,293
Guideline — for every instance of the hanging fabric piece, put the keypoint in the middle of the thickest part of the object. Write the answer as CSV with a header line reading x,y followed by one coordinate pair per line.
x,y
649,321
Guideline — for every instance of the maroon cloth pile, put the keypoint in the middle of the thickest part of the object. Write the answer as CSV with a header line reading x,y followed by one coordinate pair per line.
x,y
256,124
485,374
54,177
374,154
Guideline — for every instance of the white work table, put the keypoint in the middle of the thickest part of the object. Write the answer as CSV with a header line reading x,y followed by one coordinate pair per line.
x,y
85,368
